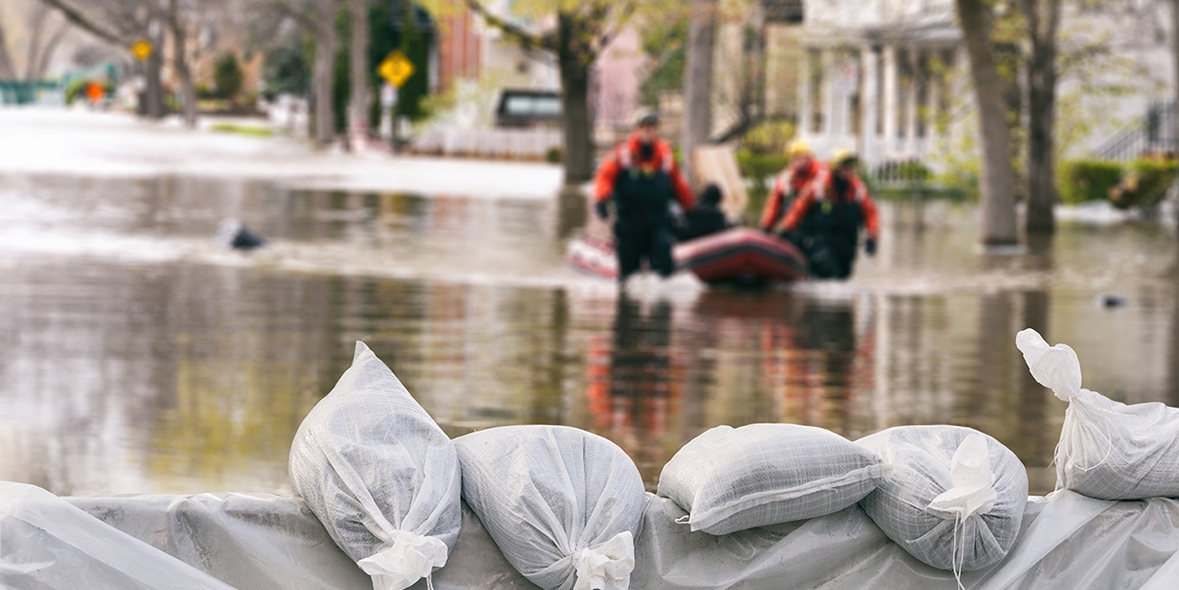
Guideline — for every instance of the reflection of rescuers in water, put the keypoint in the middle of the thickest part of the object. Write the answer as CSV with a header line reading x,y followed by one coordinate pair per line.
x,y
642,178
802,173
825,219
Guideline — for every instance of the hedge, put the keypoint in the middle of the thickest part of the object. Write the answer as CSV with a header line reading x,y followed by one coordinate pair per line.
x,y
1145,183
1082,181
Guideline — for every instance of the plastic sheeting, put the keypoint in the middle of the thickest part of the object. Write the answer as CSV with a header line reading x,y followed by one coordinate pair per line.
x,y
250,541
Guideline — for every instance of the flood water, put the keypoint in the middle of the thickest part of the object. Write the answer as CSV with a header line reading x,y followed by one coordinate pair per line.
x,y
137,356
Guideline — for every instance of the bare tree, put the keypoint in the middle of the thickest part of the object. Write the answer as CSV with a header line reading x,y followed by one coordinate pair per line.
x,y
325,70
180,61
698,78
44,35
998,186
42,47
318,19
582,30
120,23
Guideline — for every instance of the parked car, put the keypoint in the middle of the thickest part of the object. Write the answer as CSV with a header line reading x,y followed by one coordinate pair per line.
x,y
528,108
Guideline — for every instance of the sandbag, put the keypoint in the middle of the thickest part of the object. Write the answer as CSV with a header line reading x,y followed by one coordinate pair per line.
x,y
380,475
953,498
563,505
730,479
1107,450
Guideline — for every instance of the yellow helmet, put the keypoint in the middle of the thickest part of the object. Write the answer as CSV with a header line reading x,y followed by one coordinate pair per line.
x,y
842,156
798,147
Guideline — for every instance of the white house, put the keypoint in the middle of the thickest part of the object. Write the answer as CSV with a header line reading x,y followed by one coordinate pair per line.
x,y
876,74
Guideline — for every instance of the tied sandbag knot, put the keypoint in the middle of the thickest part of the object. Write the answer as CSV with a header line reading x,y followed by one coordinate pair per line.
x,y
1055,367
410,558
1058,368
973,493
607,566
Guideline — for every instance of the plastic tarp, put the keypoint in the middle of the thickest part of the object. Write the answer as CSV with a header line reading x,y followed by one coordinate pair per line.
x,y
250,541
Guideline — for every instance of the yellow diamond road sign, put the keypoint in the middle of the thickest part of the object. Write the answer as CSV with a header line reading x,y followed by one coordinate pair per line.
x,y
141,49
396,68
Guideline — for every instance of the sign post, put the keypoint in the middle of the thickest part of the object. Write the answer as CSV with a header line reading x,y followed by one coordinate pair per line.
x,y
395,69
388,103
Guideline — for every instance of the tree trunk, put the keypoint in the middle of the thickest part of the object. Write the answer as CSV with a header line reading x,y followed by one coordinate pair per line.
x,y
698,80
47,52
998,187
7,71
325,72
180,62
36,31
573,60
1043,17
154,93
358,54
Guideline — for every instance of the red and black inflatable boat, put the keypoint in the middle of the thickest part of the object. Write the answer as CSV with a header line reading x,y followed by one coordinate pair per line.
x,y
737,255
741,255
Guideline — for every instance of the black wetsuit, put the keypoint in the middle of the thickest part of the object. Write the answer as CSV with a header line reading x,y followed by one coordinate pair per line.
x,y
829,233
642,196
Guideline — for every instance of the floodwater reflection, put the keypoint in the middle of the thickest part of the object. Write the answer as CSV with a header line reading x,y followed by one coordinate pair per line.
x,y
137,357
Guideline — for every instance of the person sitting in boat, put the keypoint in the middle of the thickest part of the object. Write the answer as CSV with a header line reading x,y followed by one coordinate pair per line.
x,y
705,218
825,223
800,175
641,176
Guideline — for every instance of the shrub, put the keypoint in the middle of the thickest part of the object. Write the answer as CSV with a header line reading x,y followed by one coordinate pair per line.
x,y
1082,181
1144,183
768,138
760,169
227,75
77,89
760,166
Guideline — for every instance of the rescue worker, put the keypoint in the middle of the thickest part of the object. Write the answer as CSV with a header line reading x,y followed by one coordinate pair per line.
x,y
641,177
825,223
800,175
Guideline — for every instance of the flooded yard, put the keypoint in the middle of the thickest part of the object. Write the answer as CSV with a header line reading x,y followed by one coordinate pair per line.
x,y
138,356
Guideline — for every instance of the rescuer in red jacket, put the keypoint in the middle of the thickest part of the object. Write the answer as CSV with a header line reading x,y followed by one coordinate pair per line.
x,y
826,223
641,177
800,175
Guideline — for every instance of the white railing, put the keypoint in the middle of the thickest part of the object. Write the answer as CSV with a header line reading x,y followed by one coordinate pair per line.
x,y
509,144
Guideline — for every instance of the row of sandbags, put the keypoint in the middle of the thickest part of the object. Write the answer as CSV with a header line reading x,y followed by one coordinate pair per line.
x,y
564,506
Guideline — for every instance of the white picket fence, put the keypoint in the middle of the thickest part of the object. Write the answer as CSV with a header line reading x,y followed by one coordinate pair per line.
x,y
510,144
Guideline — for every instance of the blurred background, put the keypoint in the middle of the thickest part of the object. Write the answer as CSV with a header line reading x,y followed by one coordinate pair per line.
x,y
418,171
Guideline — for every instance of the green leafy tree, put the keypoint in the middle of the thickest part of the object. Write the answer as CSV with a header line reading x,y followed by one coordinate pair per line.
x,y
664,45
228,75
286,68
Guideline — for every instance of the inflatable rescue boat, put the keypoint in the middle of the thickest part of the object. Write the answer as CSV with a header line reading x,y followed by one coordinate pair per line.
x,y
739,255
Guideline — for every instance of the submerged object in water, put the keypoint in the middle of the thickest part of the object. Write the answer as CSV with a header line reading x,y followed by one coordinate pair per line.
x,y
232,233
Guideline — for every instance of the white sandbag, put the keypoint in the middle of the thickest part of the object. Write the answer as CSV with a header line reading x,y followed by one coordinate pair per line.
x,y
953,498
563,505
730,479
380,475
1107,450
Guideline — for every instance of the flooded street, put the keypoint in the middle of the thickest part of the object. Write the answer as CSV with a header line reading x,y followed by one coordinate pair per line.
x,y
140,357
